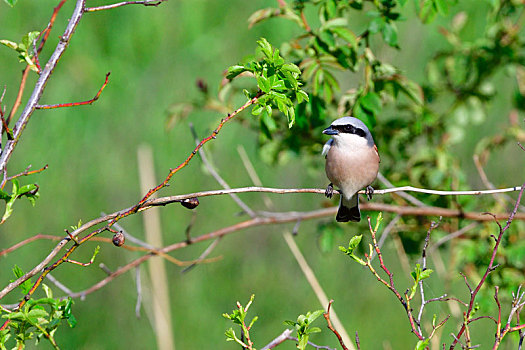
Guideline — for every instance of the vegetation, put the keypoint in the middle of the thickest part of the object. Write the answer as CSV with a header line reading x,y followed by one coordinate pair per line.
x,y
439,82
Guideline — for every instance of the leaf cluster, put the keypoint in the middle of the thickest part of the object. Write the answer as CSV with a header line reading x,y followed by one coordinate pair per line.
x,y
37,319
304,328
238,317
29,191
24,47
278,82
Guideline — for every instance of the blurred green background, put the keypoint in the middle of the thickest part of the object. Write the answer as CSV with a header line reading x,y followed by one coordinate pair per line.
x,y
155,56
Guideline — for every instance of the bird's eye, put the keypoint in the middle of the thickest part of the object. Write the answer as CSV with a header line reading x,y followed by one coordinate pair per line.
x,y
347,128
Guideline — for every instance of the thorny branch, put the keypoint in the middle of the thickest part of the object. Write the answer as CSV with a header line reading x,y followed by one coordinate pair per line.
x,y
490,268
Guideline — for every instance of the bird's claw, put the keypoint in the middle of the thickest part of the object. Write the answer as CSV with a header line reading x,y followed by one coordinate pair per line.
x,y
329,191
369,191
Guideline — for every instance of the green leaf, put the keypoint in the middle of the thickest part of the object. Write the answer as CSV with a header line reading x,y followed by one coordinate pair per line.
x,y
291,116
26,285
47,290
314,330
16,186
29,38
389,32
261,15
301,345
27,188
327,37
376,25
428,12
354,242
441,6
11,2
268,121
346,34
9,44
422,344
5,196
263,83
335,22
314,315
34,315
371,102
257,109
234,71
291,68
425,274
302,95
266,48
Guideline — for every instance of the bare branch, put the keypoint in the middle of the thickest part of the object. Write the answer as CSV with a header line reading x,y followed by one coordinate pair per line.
x,y
279,339
74,104
124,3
41,83
327,317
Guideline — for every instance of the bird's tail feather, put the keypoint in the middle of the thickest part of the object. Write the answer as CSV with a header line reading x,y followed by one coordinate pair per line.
x,y
349,210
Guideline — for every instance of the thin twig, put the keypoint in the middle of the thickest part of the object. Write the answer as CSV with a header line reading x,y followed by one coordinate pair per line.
x,y
385,234
74,104
124,3
488,270
329,323
219,178
41,83
59,285
433,226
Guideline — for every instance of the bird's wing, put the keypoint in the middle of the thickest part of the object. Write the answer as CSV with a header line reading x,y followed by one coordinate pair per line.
x,y
375,149
327,146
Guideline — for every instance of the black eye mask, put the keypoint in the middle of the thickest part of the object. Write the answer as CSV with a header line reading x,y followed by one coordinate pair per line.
x,y
349,129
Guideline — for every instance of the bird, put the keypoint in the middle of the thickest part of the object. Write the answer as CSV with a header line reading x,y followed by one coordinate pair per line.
x,y
352,163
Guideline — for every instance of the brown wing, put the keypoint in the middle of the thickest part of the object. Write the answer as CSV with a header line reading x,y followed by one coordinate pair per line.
x,y
378,157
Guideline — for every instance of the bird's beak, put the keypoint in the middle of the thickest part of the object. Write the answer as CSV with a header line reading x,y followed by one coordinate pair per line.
x,y
330,131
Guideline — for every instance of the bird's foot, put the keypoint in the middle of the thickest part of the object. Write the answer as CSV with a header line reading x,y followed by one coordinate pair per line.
x,y
369,191
329,191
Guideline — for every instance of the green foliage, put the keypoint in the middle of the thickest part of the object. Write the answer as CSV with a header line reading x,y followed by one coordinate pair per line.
x,y
24,48
37,319
237,317
11,3
276,80
26,285
29,191
422,344
352,245
303,327
418,275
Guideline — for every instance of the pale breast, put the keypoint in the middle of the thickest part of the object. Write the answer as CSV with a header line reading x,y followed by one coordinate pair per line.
x,y
352,170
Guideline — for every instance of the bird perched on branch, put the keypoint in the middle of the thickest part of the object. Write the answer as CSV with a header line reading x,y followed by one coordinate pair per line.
x,y
352,163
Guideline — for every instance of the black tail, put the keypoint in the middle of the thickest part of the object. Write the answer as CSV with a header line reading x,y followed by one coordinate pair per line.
x,y
345,214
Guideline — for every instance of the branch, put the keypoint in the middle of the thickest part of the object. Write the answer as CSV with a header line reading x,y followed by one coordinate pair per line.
x,y
287,216
124,3
329,323
259,221
26,172
489,269
74,104
41,84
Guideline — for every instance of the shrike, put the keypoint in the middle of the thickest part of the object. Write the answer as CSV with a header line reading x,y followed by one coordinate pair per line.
x,y
352,163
